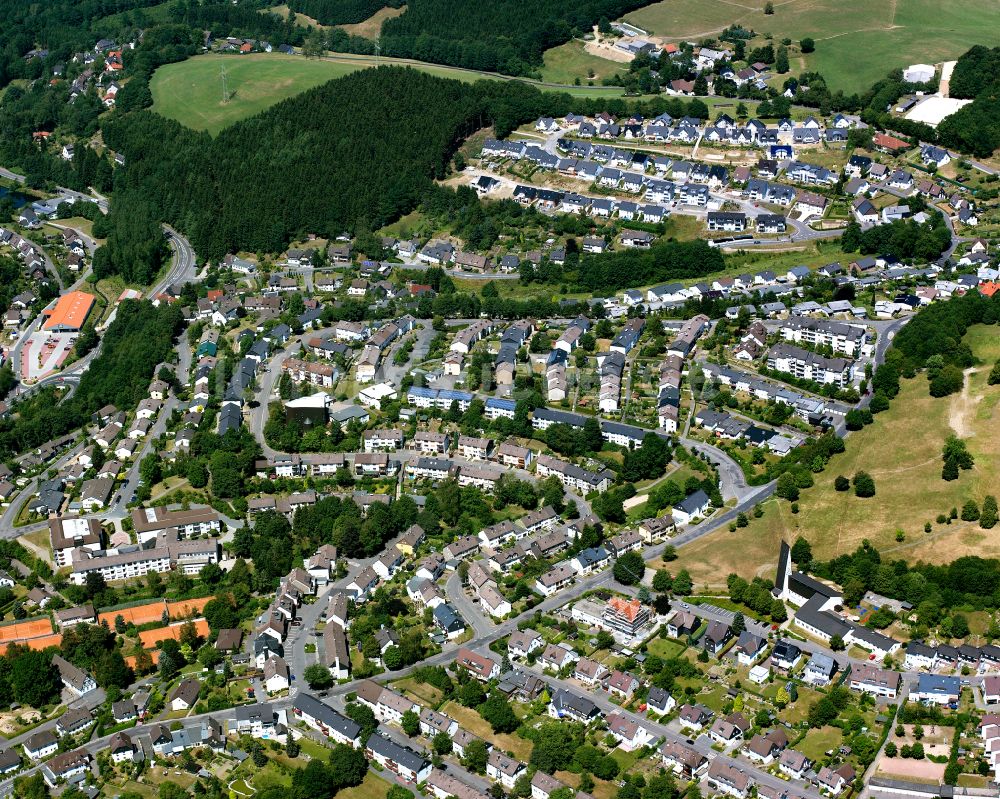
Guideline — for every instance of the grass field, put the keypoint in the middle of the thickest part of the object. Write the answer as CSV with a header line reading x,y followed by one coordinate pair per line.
x,y
191,91
470,720
371,27
890,33
300,19
569,61
902,452
372,788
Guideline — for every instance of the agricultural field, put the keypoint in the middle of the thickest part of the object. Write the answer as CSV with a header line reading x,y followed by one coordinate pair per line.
x,y
891,33
191,91
902,452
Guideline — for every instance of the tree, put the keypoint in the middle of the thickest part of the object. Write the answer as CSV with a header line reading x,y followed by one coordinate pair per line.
x,y
781,699
629,568
837,643
988,517
994,377
841,483
496,710
801,553
662,581
739,624
781,60
683,584
769,8
347,767
442,743
317,676
786,487
864,485
392,658
410,722
398,792
970,511
475,757
891,750
556,743
807,45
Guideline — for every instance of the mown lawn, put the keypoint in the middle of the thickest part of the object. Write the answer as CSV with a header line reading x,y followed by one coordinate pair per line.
x,y
817,742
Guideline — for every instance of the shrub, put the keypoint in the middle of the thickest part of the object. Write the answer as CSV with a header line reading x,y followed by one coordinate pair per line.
x,y
864,485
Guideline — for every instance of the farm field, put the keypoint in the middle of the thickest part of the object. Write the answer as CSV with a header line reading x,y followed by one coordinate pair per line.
x,y
902,452
191,91
891,33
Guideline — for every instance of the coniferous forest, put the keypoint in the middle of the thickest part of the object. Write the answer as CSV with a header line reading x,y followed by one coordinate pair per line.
x,y
343,12
350,155
507,36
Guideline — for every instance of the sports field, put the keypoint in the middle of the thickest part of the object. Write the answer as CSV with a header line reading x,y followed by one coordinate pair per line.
x,y
191,91
902,452
857,41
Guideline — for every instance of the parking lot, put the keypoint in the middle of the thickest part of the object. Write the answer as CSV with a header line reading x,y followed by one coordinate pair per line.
x,y
44,353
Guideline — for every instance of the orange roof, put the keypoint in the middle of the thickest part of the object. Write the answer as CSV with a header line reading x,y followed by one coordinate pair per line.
x,y
70,311
989,289
35,628
887,142
40,643
671,48
150,638
629,608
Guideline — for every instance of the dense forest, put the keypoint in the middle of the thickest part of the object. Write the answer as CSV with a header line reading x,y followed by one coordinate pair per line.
x,y
343,12
666,260
137,341
350,155
975,128
904,238
507,36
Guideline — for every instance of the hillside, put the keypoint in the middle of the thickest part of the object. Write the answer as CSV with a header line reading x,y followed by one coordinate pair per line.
x,y
902,452
352,154
857,41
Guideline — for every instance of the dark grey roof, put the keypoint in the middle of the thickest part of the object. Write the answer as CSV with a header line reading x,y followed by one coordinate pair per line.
x,y
391,750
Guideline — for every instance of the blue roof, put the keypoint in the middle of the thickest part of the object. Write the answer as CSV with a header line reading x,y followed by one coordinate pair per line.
x,y
420,391
450,393
938,684
506,404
